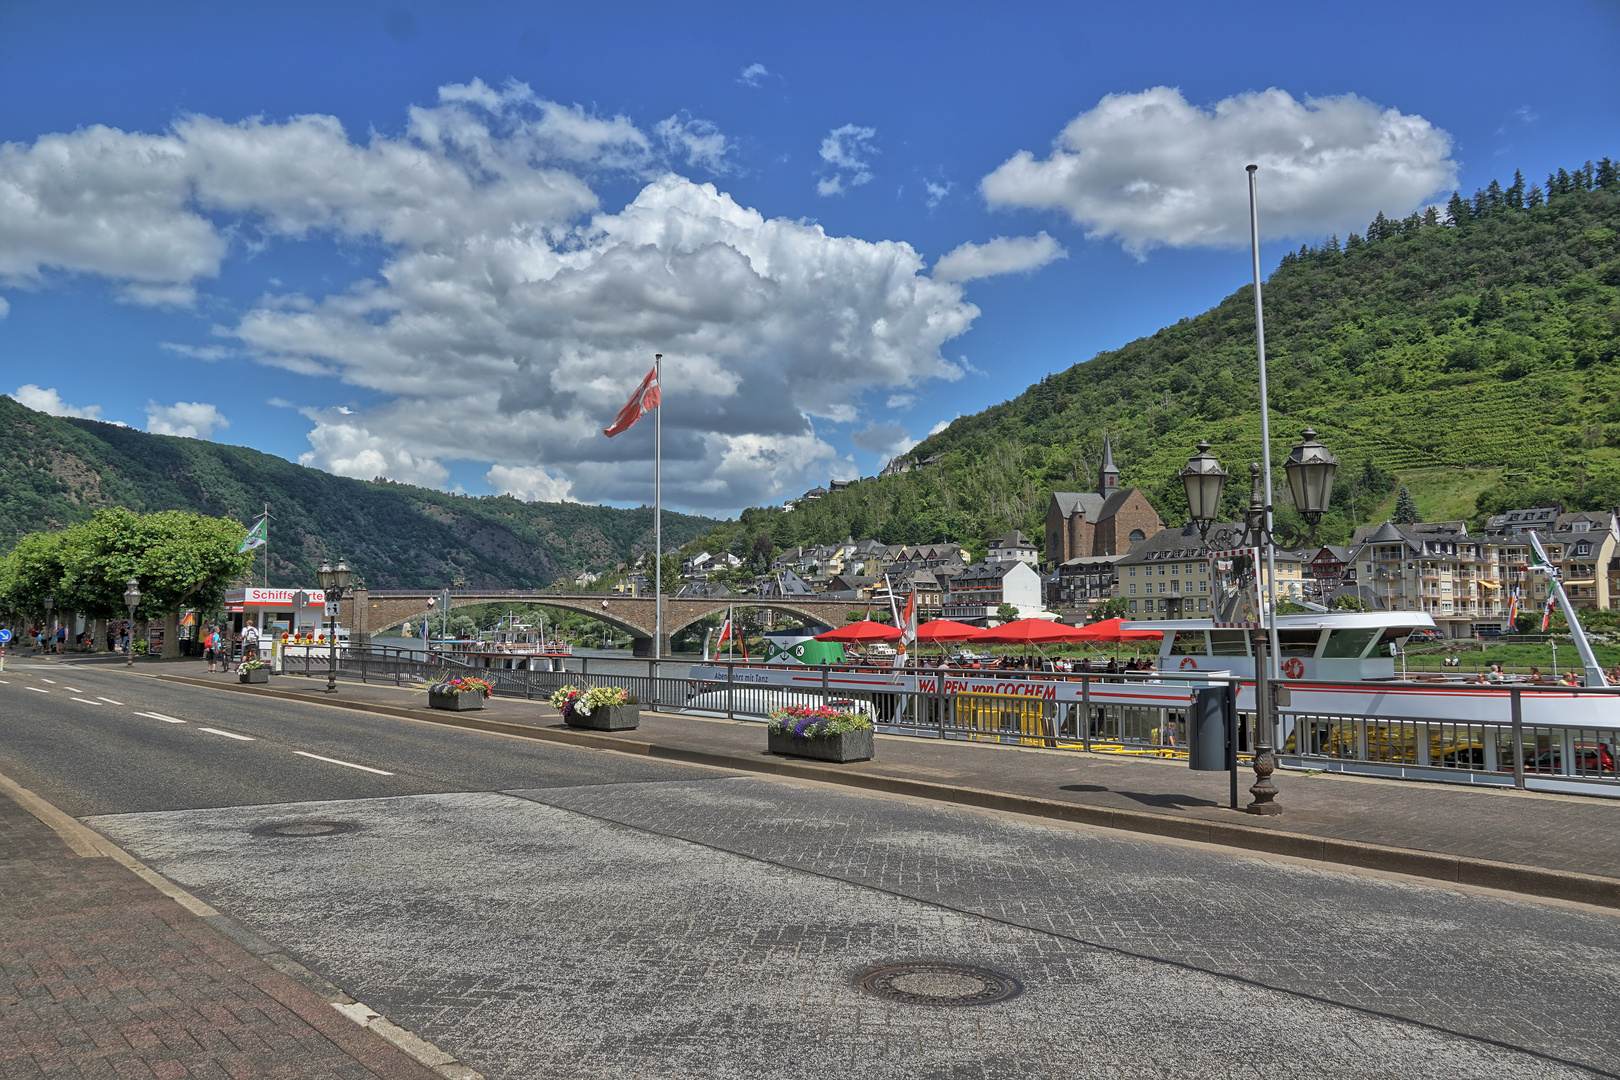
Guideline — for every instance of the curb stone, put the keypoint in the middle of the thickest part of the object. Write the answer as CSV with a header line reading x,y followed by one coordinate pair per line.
x,y
1457,869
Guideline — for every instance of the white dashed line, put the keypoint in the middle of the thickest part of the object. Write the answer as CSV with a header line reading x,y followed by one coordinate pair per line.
x,y
335,761
84,701
51,681
109,700
74,689
227,734
37,690
160,716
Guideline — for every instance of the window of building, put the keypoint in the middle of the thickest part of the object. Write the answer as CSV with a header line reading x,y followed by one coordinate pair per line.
x,y
1161,586
1133,571
1133,590
1203,586
1203,605
1133,604
1137,535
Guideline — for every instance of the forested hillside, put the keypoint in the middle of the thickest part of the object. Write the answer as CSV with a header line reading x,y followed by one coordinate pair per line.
x,y
56,472
1484,341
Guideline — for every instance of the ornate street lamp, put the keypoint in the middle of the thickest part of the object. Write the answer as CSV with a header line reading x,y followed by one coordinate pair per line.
x,y
1205,480
50,620
1310,469
334,580
132,600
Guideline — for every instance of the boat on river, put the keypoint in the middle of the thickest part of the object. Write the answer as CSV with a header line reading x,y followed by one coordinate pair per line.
x,y
511,646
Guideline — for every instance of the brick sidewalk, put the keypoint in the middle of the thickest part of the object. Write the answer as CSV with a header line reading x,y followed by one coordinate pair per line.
x,y
102,976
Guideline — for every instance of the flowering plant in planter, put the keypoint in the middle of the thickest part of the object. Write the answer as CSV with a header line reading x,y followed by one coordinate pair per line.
x,y
463,685
251,663
572,699
821,722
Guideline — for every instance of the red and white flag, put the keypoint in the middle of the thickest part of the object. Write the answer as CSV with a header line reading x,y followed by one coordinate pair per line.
x,y
643,401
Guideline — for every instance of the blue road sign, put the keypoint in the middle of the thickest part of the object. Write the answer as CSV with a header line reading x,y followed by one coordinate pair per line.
x,y
5,636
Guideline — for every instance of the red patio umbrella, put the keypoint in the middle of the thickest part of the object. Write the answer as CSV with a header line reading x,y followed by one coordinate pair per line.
x,y
857,632
946,630
1114,630
1025,632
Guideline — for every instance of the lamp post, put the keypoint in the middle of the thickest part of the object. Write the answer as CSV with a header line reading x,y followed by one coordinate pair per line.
x,y
132,600
334,582
1310,468
50,623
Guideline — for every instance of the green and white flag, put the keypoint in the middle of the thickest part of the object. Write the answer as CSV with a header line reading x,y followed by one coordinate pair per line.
x,y
255,537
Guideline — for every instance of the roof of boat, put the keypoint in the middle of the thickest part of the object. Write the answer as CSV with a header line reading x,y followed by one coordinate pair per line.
x,y
1314,620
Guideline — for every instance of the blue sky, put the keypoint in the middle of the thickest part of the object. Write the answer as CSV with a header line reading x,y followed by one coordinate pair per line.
x,y
441,242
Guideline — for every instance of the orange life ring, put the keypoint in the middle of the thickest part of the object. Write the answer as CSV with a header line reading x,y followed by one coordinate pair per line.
x,y
1188,662
1293,667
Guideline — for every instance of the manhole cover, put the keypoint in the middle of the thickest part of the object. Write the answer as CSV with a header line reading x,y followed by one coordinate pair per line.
x,y
930,983
305,828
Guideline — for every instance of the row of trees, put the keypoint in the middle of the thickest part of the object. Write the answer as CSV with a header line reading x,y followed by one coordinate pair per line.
x,y
180,559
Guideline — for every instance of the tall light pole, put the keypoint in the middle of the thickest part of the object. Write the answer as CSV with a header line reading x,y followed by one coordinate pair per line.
x,y
50,623
132,600
334,581
1265,413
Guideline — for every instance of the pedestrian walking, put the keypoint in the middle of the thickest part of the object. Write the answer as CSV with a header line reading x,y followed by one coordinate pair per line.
x,y
211,648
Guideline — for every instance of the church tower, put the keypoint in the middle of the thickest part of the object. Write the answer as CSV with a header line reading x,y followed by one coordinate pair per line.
x,y
1108,480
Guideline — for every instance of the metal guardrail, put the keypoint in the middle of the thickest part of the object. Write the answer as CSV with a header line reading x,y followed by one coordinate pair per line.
x,y
1497,750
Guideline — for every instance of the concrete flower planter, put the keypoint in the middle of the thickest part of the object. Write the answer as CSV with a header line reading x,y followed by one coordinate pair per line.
x,y
844,747
456,700
254,675
607,718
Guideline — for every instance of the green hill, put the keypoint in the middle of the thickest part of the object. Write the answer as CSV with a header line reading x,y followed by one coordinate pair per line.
x,y
1474,356
56,471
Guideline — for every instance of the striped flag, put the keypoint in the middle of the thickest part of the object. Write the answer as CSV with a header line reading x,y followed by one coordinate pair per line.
x,y
1546,615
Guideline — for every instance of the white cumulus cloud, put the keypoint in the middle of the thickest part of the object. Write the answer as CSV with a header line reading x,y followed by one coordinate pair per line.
x,y
752,74
509,314
531,483
188,419
847,151
884,440
1151,169
696,142
348,448
1003,255
49,401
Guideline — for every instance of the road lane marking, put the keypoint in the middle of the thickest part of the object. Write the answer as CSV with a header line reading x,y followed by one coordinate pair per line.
x,y
335,761
109,700
84,701
227,734
37,690
51,681
160,716
75,689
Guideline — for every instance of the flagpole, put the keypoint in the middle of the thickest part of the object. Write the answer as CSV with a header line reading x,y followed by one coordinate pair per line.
x,y
658,511
267,545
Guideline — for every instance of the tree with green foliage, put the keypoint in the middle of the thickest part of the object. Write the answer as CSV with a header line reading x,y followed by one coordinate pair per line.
x,y
1112,608
1007,612
1350,602
1406,508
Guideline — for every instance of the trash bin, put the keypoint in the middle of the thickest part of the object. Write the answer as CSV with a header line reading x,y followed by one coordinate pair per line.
x,y
1206,730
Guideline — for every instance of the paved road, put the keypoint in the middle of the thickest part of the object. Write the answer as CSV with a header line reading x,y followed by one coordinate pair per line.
x,y
541,910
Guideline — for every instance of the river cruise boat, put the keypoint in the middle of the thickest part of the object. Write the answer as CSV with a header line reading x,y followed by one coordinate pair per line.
x,y
510,646
1345,704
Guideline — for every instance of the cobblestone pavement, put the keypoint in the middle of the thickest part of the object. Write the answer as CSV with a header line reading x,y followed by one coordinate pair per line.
x,y
102,976
713,927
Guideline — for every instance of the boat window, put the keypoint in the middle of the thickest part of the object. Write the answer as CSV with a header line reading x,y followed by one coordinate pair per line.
x,y
1298,642
1229,642
1349,644
1188,643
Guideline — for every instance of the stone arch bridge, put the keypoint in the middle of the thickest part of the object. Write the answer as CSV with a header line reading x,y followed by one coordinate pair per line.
x,y
366,611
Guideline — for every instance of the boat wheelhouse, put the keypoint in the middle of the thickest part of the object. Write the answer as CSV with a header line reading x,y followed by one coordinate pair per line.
x,y
511,646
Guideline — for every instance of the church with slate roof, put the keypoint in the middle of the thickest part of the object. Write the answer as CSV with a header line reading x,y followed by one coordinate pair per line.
x,y
1105,522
